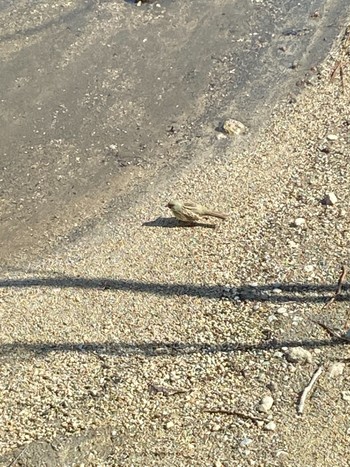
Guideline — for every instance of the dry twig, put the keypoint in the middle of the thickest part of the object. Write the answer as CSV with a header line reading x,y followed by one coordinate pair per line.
x,y
308,388
165,390
19,455
341,281
332,332
235,412
339,65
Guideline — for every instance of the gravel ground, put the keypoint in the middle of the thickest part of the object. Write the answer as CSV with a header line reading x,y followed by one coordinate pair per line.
x,y
119,349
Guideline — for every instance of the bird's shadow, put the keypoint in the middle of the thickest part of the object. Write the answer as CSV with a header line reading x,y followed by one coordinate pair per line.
x,y
171,222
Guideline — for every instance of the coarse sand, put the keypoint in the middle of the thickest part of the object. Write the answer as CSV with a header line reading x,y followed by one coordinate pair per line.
x,y
149,343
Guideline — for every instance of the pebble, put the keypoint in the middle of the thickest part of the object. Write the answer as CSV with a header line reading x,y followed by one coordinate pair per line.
x,y
169,425
336,369
325,148
346,396
329,199
234,127
298,354
271,426
299,221
293,244
220,136
282,311
332,137
215,427
265,404
246,442
272,386
309,268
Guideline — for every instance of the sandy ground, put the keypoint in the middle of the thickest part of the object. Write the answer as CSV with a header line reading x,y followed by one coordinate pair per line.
x,y
123,348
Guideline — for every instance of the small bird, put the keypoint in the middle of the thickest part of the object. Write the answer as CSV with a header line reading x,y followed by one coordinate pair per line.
x,y
192,212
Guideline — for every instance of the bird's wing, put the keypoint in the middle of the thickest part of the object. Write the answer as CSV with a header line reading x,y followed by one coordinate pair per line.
x,y
189,211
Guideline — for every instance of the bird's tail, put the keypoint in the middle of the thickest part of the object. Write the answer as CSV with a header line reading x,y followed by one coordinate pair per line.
x,y
219,215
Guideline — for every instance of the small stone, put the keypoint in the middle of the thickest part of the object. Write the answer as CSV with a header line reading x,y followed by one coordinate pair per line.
x,y
346,396
329,199
299,221
265,404
293,244
234,127
218,464
332,137
169,425
220,136
282,311
277,290
114,433
298,354
271,426
326,149
309,268
336,369
246,442
215,427
272,386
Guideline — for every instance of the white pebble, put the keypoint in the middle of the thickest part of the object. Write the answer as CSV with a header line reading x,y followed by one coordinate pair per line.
x,y
298,354
332,137
336,369
299,221
346,396
271,426
282,311
293,244
246,442
234,127
330,199
265,404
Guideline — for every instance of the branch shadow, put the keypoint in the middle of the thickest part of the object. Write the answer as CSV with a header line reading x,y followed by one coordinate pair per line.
x,y
294,292
158,349
67,17
171,222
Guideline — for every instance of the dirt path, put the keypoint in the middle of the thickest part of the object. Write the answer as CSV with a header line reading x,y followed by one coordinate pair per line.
x,y
98,97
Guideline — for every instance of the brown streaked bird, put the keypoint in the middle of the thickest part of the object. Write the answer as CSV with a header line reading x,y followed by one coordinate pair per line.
x,y
192,212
